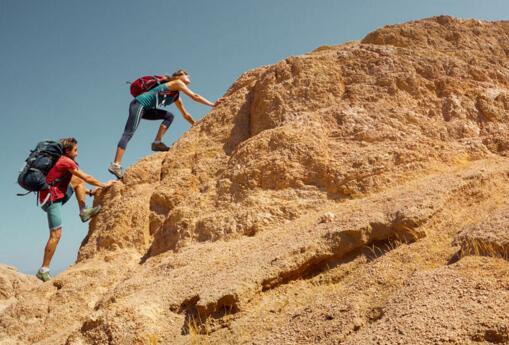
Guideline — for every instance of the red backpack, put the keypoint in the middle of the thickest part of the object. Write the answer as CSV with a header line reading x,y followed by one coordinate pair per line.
x,y
147,83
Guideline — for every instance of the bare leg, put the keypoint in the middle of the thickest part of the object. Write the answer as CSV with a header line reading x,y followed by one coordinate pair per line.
x,y
119,155
51,246
79,189
162,130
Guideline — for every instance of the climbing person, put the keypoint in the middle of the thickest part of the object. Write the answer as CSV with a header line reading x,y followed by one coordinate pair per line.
x,y
146,106
64,179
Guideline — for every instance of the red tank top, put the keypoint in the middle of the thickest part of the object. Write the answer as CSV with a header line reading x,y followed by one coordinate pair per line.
x,y
62,175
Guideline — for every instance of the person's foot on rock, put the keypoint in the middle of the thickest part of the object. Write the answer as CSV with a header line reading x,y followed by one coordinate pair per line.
x,y
88,213
43,274
116,170
159,146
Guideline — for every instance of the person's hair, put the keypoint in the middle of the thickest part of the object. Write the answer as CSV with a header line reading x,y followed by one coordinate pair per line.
x,y
68,143
178,73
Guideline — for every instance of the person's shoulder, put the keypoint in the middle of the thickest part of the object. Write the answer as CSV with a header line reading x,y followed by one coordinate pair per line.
x,y
175,85
66,161
64,158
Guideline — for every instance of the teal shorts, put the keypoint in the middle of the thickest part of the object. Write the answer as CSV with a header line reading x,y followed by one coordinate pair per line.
x,y
54,210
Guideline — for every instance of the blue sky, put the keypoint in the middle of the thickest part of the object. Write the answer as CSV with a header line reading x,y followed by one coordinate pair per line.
x,y
64,64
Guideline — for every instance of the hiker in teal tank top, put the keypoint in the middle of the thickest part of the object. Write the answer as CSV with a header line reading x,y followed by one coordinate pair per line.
x,y
146,106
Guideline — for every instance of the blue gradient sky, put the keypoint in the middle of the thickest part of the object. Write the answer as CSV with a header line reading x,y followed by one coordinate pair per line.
x,y
64,64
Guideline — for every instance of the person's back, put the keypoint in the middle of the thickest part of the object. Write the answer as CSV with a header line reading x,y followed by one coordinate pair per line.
x,y
152,98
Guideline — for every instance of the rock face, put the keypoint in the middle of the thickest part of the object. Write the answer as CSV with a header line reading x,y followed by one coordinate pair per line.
x,y
12,284
339,197
488,237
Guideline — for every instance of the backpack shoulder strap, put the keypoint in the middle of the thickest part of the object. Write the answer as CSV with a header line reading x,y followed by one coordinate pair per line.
x,y
23,194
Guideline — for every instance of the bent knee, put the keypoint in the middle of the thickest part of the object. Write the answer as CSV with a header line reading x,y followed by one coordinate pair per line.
x,y
56,233
168,119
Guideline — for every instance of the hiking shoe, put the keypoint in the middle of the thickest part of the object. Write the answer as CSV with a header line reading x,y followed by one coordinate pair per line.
x,y
160,146
44,276
116,170
88,213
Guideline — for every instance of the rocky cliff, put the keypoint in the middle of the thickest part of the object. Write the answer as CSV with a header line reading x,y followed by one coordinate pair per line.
x,y
352,195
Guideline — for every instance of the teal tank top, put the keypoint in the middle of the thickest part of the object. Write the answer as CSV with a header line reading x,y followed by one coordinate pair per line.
x,y
154,97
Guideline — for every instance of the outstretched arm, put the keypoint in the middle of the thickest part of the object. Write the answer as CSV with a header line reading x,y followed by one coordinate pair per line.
x,y
89,179
180,86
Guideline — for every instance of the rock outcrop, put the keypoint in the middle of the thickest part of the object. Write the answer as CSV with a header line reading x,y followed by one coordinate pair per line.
x,y
12,284
352,195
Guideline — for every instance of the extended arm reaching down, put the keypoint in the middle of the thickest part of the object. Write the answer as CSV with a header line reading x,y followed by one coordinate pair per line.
x,y
179,85
185,114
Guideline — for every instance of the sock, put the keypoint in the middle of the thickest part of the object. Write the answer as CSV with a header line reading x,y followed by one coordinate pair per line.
x,y
157,141
44,269
115,164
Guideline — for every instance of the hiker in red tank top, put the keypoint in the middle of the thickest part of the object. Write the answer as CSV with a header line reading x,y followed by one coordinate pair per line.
x,y
65,178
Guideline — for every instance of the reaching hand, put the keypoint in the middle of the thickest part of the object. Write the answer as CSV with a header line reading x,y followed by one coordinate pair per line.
x,y
219,101
110,183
